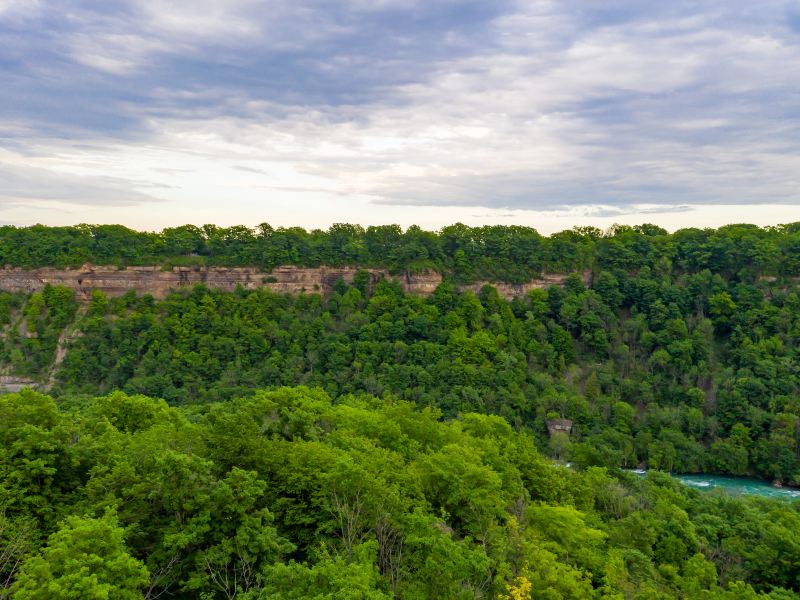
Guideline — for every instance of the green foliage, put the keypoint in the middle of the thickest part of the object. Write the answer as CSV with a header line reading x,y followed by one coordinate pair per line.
x,y
17,539
655,368
286,494
329,577
84,559
410,466
496,253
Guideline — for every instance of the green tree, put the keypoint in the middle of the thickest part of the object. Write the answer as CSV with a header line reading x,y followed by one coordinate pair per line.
x,y
85,559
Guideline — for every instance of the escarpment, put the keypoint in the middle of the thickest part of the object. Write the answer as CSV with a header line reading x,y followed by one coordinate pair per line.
x,y
158,282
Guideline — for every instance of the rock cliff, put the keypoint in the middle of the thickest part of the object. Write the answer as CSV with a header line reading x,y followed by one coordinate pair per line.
x,y
12,383
293,280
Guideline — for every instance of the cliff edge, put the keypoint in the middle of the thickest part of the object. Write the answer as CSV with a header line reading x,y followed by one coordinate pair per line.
x,y
153,280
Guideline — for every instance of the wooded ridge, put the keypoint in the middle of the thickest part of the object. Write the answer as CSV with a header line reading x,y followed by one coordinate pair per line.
x,y
375,422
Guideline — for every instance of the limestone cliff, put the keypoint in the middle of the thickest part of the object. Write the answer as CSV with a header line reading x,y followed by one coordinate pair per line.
x,y
293,280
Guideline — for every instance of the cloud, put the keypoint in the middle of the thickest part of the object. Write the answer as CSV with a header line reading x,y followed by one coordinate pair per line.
x,y
21,185
19,10
614,107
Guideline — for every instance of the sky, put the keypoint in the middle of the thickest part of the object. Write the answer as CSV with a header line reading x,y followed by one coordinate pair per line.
x,y
429,112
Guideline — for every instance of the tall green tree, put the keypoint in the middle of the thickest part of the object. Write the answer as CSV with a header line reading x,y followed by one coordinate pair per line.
x,y
85,559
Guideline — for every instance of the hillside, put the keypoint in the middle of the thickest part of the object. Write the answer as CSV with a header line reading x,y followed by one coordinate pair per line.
x,y
683,372
288,495
375,431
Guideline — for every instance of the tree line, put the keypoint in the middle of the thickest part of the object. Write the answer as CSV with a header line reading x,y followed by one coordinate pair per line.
x,y
494,253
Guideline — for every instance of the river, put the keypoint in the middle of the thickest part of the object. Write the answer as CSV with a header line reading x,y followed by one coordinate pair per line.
x,y
734,485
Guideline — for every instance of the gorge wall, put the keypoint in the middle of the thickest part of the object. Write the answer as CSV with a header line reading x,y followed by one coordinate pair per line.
x,y
153,280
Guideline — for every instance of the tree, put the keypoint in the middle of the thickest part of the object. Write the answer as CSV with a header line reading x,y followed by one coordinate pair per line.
x,y
16,541
86,559
328,578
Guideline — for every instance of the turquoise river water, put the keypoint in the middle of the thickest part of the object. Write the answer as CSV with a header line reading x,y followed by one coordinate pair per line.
x,y
738,485
735,485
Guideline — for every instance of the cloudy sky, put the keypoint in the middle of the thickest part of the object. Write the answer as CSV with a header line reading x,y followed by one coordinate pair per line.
x,y
302,112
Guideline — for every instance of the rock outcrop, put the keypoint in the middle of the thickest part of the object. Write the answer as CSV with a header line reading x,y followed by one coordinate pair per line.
x,y
555,426
510,290
154,280
12,383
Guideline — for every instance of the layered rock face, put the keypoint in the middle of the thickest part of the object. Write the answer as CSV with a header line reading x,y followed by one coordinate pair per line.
x,y
292,280
11,383
511,290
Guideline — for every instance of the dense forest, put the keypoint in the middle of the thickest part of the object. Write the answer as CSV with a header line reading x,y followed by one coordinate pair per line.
x,y
415,461
286,494
494,253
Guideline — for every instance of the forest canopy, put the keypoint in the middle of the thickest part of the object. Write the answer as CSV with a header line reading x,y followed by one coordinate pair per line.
x,y
692,373
285,494
370,443
493,253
